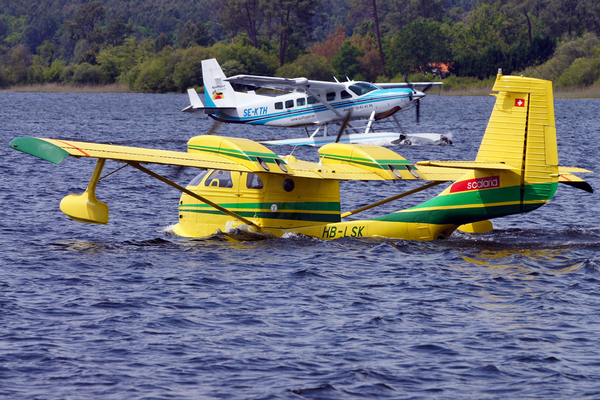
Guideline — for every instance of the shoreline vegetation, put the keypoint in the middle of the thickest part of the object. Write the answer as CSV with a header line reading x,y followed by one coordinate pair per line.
x,y
479,88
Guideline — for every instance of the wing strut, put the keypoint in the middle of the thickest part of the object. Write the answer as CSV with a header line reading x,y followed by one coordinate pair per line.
x,y
396,197
194,195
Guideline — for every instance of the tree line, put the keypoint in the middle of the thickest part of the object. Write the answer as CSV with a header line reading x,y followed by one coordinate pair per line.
x,y
158,48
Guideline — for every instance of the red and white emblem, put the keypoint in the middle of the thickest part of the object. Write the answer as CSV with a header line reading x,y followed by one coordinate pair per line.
x,y
476,184
519,102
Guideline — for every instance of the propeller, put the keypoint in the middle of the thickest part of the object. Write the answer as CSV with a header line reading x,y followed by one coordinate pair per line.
x,y
418,106
215,127
417,100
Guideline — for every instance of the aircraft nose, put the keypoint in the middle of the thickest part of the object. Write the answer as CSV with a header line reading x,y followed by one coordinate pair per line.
x,y
417,94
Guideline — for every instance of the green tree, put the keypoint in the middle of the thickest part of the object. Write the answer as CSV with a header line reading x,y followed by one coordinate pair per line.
x,y
188,70
417,46
46,52
244,16
116,31
18,61
581,73
85,22
310,66
87,74
195,34
346,61
291,21
368,9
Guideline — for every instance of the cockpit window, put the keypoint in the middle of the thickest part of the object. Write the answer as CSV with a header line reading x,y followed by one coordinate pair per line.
x,y
254,182
219,179
198,178
361,88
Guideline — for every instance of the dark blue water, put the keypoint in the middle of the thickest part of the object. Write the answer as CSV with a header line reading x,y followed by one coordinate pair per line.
x,y
128,311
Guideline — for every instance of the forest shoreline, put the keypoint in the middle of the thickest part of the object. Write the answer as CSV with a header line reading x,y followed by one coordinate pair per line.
x,y
587,92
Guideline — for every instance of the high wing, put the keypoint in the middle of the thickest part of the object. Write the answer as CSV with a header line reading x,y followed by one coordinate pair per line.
x,y
55,151
232,154
285,84
422,86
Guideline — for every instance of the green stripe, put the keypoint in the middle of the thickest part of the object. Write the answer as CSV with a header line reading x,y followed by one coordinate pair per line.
x,y
300,206
295,216
383,164
267,157
472,209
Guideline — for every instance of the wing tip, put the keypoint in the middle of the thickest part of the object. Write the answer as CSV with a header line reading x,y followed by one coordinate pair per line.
x,y
39,148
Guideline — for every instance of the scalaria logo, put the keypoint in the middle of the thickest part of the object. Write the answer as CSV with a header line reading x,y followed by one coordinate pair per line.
x,y
476,184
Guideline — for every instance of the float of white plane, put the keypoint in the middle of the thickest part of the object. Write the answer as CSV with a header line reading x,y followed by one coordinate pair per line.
x,y
308,103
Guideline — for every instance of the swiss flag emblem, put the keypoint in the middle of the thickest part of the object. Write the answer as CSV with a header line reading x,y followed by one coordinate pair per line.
x,y
519,102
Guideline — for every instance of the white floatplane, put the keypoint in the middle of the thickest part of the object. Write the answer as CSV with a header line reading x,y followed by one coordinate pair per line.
x,y
308,103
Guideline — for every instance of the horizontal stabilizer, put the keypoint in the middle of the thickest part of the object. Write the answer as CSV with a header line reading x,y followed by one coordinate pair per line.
x,y
575,181
467,165
566,177
194,98
196,105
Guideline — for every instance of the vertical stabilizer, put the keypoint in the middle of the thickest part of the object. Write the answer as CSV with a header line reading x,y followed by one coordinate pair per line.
x,y
217,91
521,133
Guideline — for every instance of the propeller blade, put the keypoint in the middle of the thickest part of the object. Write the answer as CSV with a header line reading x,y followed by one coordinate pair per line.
x,y
344,126
214,128
418,106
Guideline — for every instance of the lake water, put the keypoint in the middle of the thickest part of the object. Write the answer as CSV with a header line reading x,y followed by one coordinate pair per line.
x,y
127,310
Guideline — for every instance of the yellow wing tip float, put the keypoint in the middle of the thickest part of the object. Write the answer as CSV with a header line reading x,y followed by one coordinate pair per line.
x,y
86,207
244,184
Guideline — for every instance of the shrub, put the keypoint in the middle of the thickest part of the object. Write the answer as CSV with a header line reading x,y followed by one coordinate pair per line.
x,y
87,74
53,73
583,72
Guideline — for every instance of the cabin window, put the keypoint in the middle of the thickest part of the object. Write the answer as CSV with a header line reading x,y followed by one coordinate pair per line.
x,y
198,178
346,95
300,102
289,103
289,184
219,179
311,100
279,105
253,181
361,88
330,96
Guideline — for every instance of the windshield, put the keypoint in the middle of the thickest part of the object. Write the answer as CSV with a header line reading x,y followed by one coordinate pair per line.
x,y
361,88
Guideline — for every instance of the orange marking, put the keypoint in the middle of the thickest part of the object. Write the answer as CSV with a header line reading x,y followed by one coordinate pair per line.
x,y
565,177
76,148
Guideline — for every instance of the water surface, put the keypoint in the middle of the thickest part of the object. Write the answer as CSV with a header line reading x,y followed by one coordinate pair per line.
x,y
128,311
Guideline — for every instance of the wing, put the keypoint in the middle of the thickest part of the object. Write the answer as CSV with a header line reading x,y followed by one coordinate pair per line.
x,y
285,84
207,152
422,86
55,151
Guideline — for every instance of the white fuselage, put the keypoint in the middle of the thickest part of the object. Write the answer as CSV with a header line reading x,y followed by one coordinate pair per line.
x,y
303,109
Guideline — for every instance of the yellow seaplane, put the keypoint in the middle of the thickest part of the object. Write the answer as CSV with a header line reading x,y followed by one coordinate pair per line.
x,y
245,185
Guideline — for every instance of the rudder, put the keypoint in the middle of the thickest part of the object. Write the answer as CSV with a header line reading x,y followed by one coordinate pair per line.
x,y
217,91
522,133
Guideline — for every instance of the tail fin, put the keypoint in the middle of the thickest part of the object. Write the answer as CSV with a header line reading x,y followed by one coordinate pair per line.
x,y
217,91
522,133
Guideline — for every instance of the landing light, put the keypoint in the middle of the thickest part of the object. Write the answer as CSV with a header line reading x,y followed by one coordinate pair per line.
x,y
395,171
281,165
262,163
